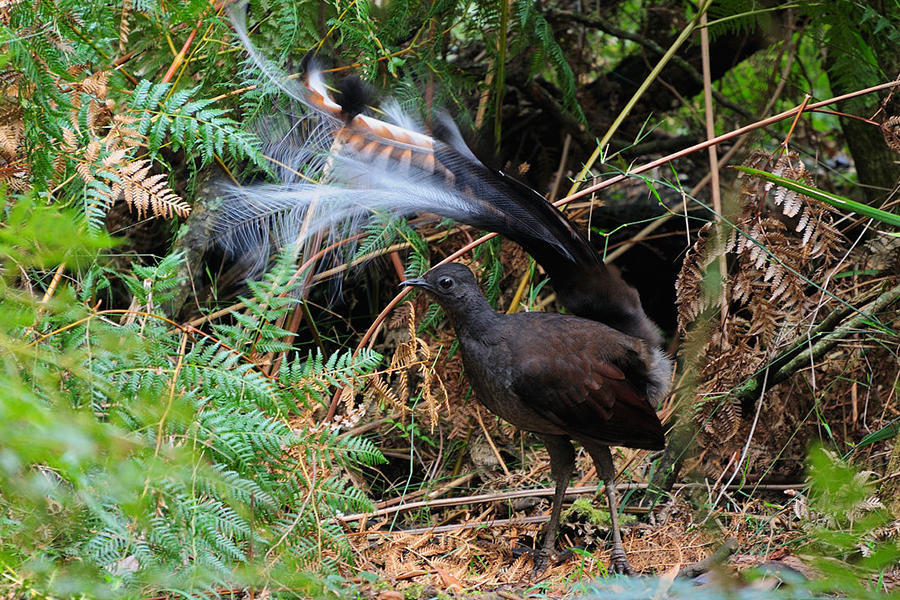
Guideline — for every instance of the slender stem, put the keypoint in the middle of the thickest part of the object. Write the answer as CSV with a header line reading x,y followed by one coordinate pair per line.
x,y
545,492
719,139
714,189
682,37
500,79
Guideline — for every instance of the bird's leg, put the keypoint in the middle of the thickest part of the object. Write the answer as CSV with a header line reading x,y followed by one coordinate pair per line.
x,y
562,463
604,464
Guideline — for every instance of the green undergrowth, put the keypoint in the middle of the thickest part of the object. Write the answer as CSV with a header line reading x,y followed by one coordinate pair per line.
x,y
587,510
141,458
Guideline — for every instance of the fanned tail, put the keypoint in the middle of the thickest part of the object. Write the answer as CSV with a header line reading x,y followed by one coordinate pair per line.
x,y
347,165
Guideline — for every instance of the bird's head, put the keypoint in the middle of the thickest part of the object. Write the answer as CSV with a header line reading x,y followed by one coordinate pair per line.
x,y
453,285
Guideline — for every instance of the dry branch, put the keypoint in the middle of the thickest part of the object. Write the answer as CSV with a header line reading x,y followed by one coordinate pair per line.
x,y
804,352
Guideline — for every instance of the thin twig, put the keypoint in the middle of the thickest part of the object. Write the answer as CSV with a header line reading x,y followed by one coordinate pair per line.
x,y
722,138
545,492
561,169
51,289
430,494
490,440
714,189
374,535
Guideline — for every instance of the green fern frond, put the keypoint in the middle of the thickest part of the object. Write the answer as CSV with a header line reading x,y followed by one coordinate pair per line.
x,y
194,124
534,27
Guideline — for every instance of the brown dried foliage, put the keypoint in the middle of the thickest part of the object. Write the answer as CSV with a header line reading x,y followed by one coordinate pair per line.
x,y
102,148
412,357
781,241
480,558
124,25
14,168
890,129
6,11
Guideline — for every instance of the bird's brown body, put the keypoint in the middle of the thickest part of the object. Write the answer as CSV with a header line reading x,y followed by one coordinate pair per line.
x,y
557,374
562,377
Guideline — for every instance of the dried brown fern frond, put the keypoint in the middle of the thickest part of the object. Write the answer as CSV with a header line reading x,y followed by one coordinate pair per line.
x,y
9,140
106,148
11,130
412,356
691,294
15,175
809,219
102,146
14,169
723,366
718,417
94,85
145,193
124,25
121,134
378,388
781,242
890,129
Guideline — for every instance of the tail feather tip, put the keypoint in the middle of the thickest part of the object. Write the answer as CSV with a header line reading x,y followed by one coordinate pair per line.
x,y
353,96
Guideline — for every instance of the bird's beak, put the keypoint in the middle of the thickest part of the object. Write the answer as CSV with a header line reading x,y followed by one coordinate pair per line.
x,y
416,282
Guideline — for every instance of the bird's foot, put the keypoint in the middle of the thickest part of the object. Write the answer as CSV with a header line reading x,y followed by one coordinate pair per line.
x,y
618,564
543,557
546,557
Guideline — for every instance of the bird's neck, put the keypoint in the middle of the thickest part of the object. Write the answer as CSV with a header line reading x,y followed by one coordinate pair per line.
x,y
475,318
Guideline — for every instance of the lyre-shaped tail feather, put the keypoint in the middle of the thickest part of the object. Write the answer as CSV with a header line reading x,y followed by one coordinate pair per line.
x,y
355,164
495,201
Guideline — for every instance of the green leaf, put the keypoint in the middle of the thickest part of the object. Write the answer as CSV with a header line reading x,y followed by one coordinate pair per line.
x,y
885,433
831,199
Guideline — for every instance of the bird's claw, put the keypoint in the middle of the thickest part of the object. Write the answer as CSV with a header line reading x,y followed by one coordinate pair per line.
x,y
545,557
541,558
618,564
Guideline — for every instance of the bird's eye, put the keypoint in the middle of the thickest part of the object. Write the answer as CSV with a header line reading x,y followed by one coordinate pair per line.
x,y
445,283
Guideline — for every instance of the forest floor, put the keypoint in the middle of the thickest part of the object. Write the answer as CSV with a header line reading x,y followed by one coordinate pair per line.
x,y
479,543
480,553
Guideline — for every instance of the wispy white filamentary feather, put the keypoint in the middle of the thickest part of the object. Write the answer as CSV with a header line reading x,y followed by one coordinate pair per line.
x,y
336,169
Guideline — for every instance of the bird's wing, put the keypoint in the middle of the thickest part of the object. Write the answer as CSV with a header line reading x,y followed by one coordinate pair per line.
x,y
578,385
